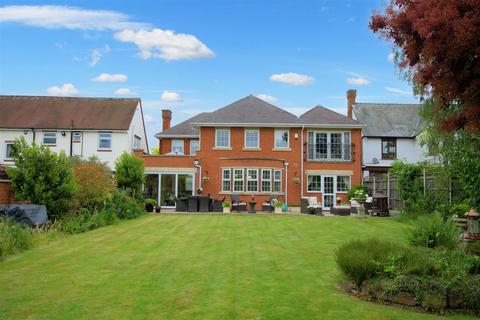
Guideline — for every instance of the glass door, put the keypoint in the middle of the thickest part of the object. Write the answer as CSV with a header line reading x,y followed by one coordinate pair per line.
x,y
328,192
168,190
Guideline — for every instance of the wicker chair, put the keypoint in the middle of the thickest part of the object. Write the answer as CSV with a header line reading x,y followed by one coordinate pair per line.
x,y
237,204
268,205
305,202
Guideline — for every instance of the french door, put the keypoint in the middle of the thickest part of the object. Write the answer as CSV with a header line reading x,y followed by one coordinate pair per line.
x,y
328,191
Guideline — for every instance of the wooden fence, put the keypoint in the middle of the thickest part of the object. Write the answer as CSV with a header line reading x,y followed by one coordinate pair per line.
x,y
450,190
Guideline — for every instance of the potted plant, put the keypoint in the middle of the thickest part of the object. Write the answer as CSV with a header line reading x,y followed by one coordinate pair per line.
x,y
226,206
158,209
150,204
311,209
360,196
278,206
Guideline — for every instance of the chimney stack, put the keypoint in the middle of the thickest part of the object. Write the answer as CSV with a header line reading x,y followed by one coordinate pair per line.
x,y
351,96
166,119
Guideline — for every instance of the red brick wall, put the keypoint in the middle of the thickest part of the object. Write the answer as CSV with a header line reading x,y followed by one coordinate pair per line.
x,y
6,194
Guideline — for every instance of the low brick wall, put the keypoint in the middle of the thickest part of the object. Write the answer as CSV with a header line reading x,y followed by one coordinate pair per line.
x,y
6,193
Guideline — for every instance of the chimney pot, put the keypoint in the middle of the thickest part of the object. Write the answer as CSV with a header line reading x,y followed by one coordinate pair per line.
x,y
351,96
166,119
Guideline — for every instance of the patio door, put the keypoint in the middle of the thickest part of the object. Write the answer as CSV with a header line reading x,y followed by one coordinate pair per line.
x,y
328,192
174,185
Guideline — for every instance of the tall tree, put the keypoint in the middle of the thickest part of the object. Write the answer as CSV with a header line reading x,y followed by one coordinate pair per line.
x,y
438,45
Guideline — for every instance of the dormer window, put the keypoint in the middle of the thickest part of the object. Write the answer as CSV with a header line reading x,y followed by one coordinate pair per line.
x,y
177,146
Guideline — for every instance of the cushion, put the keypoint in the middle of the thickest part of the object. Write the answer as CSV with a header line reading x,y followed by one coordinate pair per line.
x,y
312,201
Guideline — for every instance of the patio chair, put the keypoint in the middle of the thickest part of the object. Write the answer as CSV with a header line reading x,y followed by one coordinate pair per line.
x,y
268,205
181,204
237,204
217,205
310,202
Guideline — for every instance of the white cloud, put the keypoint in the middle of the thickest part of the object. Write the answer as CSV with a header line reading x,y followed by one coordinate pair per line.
x,y
292,78
148,119
66,89
391,57
356,81
165,44
398,91
171,96
107,77
125,92
51,16
267,98
97,55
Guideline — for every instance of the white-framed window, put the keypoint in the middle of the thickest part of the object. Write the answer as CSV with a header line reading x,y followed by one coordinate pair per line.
x,y
282,138
177,146
329,145
277,180
238,180
314,183
49,138
252,180
105,140
137,142
76,136
8,150
222,138
194,146
226,179
266,180
252,138
343,183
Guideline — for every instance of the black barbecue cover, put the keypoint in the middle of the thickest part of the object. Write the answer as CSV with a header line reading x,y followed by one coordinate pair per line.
x,y
28,215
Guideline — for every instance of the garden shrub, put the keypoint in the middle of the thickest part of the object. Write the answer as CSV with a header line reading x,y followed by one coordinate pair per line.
x,y
125,206
78,221
130,173
42,177
13,237
432,231
361,260
95,184
353,190
459,209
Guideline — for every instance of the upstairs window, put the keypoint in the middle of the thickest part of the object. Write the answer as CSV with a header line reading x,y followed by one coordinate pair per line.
x,y
177,146
281,139
194,146
137,142
49,138
105,140
222,138
389,148
329,146
252,138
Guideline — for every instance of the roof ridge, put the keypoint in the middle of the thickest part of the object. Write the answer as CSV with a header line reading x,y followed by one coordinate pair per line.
x,y
66,97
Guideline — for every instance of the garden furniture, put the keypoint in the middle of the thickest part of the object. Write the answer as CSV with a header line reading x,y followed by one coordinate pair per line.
x,y
204,203
268,205
252,207
237,204
192,203
181,205
310,202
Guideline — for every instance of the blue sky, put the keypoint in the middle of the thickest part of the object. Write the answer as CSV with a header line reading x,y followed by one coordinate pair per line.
x,y
296,54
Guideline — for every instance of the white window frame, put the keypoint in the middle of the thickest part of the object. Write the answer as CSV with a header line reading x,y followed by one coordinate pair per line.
x,y
137,142
235,179
266,180
246,131
217,130
348,185
76,136
281,131
104,138
249,179
192,151
7,143
173,146
229,180
49,134
277,181
346,137
308,184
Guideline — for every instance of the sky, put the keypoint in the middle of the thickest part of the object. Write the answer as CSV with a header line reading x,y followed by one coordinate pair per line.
x,y
195,56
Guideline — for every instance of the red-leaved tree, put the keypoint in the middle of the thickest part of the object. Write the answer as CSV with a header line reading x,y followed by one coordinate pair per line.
x,y
438,44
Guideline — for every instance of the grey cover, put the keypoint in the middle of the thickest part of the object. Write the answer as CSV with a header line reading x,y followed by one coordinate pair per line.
x,y
27,215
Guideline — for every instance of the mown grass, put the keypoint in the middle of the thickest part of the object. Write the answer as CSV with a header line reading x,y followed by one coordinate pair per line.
x,y
195,267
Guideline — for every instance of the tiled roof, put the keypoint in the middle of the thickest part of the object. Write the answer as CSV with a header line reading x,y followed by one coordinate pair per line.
x,y
42,112
183,129
389,120
322,116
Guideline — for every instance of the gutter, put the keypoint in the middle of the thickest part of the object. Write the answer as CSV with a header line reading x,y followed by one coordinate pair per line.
x,y
301,165
196,163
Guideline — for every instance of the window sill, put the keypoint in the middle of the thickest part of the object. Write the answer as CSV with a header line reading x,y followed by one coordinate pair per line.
x,y
221,148
104,150
281,149
251,149
49,145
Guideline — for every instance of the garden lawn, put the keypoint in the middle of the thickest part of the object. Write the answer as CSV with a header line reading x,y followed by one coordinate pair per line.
x,y
195,267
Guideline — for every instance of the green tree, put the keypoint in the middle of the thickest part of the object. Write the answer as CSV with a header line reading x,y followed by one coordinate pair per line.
x,y
42,177
130,173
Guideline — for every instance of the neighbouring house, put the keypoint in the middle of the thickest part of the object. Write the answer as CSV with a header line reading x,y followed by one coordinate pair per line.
x,y
83,127
391,132
253,148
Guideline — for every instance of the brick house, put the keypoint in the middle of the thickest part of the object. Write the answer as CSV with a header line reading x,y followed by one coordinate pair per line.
x,y
251,147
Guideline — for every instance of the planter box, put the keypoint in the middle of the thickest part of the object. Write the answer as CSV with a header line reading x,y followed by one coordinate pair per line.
x,y
226,209
278,210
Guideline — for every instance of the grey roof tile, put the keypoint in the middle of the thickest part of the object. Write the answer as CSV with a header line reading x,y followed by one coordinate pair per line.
x,y
321,115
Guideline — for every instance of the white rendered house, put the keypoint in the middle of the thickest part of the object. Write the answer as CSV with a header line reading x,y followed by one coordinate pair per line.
x,y
83,127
